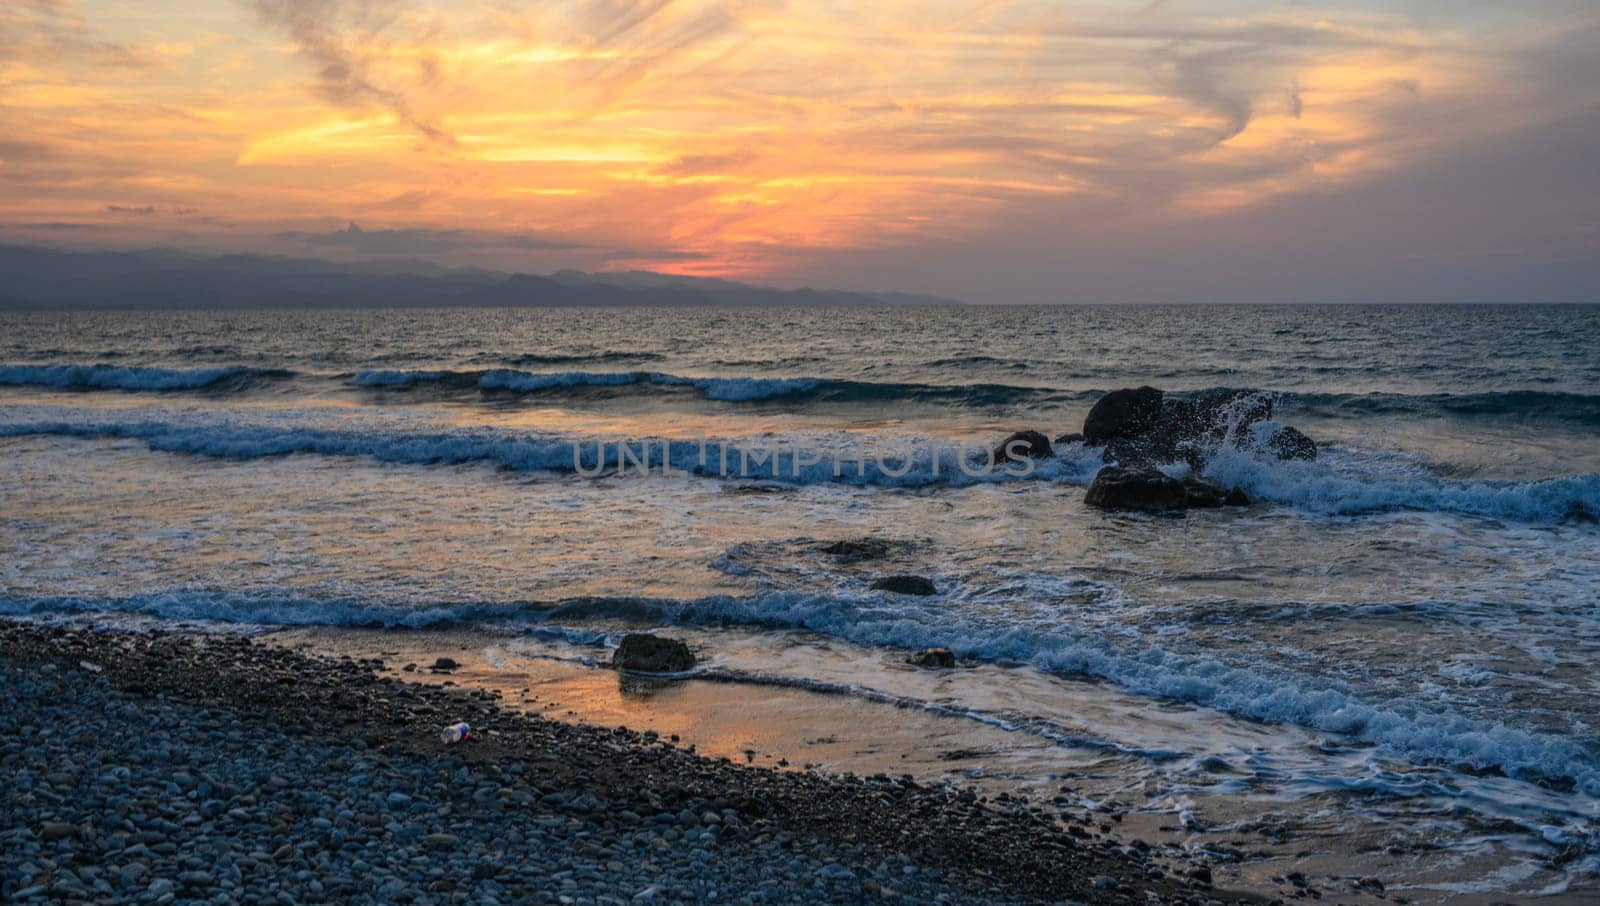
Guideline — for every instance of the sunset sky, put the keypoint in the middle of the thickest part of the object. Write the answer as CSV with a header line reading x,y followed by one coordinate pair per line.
x,y
1141,151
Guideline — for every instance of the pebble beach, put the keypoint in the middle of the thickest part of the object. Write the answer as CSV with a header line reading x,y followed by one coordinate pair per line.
x,y
161,768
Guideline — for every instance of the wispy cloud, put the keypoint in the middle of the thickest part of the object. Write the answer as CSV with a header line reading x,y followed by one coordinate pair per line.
x,y
54,30
338,38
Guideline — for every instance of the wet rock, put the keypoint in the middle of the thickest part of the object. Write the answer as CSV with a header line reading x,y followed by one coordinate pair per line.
x,y
444,665
1236,497
1118,488
1201,874
1203,495
933,658
1023,445
652,654
1073,438
1289,443
906,585
858,549
1122,414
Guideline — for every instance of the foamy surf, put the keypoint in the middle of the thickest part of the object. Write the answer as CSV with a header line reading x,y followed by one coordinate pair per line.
x,y
1405,728
1338,483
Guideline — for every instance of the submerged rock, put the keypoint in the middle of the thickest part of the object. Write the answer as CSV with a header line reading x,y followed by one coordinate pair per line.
x,y
906,585
933,658
1118,488
858,549
1023,445
1122,414
652,654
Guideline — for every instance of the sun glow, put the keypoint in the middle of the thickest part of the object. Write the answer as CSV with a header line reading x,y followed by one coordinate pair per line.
x,y
731,138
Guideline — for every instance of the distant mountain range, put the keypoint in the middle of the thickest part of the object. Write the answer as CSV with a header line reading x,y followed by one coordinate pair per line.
x,y
164,278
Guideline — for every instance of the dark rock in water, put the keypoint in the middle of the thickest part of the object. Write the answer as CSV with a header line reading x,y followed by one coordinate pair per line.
x,y
444,665
1122,414
1203,495
1024,445
933,658
651,654
858,549
1237,497
1118,488
1065,439
1201,874
905,585
1289,443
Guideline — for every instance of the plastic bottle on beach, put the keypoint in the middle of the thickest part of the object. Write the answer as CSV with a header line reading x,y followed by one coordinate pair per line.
x,y
454,733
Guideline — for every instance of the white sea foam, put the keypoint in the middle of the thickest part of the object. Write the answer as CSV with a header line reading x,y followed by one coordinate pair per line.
x,y
1405,727
1346,484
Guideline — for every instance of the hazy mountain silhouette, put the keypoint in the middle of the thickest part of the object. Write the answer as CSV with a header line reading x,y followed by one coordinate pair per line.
x,y
167,278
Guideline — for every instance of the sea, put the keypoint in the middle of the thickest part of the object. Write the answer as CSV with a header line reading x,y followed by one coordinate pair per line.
x,y
1387,662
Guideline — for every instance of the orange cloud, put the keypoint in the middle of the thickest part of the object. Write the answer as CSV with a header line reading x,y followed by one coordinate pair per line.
x,y
752,138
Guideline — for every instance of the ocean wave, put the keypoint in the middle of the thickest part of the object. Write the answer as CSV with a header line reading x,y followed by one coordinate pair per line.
x,y
115,377
1343,484
1338,483
726,389
536,359
885,621
907,464
1534,405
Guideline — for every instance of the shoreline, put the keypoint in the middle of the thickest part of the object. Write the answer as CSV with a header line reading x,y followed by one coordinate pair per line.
x,y
780,835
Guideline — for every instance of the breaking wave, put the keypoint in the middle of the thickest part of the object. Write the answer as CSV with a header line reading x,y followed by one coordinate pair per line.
x,y
1338,483
114,377
726,389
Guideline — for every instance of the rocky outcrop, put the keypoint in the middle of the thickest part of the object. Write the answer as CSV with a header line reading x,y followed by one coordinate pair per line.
x,y
1023,445
933,659
1121,415
1143,427
1119,488
646,653
906,585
